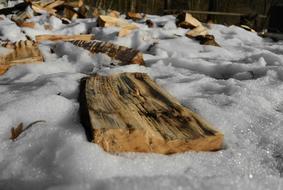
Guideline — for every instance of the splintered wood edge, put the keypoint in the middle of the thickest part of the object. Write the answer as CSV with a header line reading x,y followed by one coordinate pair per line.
x,y
137,139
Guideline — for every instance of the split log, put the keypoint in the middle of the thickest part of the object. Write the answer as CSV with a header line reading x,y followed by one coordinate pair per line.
x,y
113,13
25,24
186,20
198,31
126,30
121,54
207,40
22,52
135,16
129,112
108,21
47,37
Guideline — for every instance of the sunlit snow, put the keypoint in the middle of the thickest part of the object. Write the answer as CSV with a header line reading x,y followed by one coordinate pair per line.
x,y
237,87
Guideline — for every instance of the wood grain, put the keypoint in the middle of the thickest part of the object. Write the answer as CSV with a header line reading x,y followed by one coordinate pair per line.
x,y
121,54
22,52
47,37
129,112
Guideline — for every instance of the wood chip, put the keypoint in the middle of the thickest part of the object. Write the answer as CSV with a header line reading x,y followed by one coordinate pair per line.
x,y
122,55
129,112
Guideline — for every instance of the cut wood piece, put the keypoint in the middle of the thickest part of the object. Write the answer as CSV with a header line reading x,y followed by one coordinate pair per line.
x,y
198,31
25,24
126,30
108,21
129,112
122,55
113,13
40,10
47,37
135,16
207,40
186,20
22,52
54,4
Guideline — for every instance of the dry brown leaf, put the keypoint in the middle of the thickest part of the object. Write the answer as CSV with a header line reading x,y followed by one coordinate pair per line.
x,y
15,132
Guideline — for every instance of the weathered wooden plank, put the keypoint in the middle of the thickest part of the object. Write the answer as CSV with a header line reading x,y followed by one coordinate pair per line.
x,y
47,37
129,112
121,54
22,52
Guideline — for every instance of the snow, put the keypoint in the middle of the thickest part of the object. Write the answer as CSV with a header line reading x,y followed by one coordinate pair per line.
x,y
237,87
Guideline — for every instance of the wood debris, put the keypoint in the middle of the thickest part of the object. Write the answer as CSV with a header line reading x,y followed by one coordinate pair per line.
x,y
122,55
22,52
109,21
135,16
207,40
197,30
47,37
187,21
149,23
129,112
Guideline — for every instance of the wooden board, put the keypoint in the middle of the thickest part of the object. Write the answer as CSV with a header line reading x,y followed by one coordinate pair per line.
x,y
47,37
129,112
22,52
122,55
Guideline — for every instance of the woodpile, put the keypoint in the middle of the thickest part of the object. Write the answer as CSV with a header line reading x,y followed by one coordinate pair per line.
x,y
129,112
122,55
22,52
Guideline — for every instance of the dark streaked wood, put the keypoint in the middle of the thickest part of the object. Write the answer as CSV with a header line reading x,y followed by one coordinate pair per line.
x,y
121,54
129,112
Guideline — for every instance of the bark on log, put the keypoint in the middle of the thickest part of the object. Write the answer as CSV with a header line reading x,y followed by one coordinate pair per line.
x,y
121,54
129,112
86,37
23,52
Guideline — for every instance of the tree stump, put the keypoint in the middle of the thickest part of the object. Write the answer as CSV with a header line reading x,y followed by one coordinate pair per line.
x,y
129,112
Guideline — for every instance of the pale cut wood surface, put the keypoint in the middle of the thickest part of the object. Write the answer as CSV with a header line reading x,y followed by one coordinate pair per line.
x,y
47,37
129,112
121,54
22,52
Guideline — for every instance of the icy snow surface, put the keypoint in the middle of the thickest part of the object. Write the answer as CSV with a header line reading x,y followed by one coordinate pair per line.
x,y
237,87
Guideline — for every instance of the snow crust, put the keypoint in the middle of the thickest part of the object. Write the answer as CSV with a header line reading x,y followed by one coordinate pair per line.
x,y
237,87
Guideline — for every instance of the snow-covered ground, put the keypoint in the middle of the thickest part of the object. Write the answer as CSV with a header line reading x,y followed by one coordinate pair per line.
x,y
237,87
